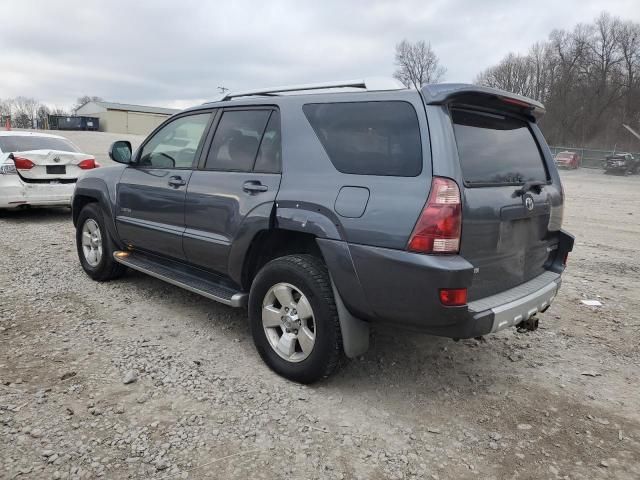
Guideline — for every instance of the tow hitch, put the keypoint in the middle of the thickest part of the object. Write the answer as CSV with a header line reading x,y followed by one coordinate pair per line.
x,y
529,325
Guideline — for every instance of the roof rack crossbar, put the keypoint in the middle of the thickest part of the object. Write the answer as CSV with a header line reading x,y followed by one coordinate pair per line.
x,y
372,84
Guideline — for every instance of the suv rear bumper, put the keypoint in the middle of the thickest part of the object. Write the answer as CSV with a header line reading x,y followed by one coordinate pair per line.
x,y
402,288
517,304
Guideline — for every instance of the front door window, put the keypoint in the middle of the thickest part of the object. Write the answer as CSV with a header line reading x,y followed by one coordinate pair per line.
x,y
175,145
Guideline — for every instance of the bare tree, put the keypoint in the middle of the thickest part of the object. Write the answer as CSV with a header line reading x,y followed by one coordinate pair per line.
x,y
514,73
86,99
6,107
59,111
25,111
42,115
417,64
588,78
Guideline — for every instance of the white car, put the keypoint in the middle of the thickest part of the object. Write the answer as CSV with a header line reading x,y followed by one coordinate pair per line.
x,y
39,169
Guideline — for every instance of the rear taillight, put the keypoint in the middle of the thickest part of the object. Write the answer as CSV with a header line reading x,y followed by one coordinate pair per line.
x,y
438,228
23,163
453,297
88,164
565,260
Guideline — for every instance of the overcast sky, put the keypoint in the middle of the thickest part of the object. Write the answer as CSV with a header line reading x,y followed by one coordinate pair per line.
x,y
176,52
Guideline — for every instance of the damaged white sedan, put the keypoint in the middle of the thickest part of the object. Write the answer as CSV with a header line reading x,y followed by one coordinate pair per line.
x,y
38,169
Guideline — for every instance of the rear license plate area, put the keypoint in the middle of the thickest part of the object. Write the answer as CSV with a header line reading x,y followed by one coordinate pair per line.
x,y
56,169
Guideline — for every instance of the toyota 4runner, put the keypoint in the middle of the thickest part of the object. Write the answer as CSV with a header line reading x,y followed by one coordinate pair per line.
x,y
326,208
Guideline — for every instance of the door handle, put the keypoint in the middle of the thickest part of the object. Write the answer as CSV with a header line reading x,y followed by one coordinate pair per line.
x,y
254,187
176,181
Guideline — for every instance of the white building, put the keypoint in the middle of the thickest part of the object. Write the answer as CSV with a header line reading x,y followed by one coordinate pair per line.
x,y
125,118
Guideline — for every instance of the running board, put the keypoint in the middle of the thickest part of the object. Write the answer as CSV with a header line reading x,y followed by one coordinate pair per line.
x,y
184,277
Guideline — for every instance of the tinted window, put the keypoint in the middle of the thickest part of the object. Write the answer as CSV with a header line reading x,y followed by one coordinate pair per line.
x,y
25,143
237,139
269,155
369,138
175,144
495,149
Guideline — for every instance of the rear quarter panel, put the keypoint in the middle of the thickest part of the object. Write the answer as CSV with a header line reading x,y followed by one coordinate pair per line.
x,y
310,182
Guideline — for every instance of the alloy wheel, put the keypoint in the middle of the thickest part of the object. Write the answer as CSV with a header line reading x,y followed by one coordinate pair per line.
x,y
288,322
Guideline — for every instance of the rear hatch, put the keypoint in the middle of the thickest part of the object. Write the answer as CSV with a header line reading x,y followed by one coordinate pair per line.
x,y
512,209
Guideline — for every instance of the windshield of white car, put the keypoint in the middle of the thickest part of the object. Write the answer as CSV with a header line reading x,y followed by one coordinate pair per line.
x,y
19,143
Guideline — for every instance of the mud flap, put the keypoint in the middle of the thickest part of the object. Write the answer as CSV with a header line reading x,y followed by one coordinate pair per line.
x,y
355,332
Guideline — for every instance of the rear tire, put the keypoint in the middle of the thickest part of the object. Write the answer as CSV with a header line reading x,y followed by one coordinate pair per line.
x,y
95,246
303,343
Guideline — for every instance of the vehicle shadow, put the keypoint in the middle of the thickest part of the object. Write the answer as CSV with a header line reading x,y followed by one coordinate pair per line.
x,y
35,214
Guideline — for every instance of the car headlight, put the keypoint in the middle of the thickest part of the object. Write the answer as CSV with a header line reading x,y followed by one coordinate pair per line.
x,y
7,169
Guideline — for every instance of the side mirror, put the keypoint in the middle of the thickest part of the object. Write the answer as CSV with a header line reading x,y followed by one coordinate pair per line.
x,y
120,151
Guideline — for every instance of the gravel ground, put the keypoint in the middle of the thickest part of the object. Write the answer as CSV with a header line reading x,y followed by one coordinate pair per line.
x,y
137,379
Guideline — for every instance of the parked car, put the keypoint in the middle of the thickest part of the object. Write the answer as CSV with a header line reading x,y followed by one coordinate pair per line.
x,y
38,169
623,163
436,210
568,159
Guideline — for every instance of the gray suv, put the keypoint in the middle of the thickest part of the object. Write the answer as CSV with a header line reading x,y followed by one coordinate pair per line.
x,y
326,208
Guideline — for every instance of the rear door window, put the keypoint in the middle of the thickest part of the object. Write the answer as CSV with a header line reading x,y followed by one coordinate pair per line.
x,y
269,157
369,138
496,149
237,140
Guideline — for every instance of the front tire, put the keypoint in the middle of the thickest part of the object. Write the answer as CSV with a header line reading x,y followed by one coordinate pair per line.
x,y
294,320
95,246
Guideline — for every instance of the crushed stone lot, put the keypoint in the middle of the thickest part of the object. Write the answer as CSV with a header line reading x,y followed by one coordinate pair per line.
x,y
135,378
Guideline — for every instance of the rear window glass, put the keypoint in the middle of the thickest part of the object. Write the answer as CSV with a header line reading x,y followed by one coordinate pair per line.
x,y
369,138
496,149
19,143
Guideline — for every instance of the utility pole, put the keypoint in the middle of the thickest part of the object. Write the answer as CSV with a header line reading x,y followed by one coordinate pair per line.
x,y
223,90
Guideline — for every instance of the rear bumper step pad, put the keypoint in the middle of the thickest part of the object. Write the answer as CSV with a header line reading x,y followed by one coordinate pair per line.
x,y
513,306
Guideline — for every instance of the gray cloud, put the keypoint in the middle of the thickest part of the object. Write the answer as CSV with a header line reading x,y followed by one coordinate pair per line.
x,y
170,52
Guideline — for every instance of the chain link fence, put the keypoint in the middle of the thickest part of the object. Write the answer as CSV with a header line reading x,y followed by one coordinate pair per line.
x,y
591,158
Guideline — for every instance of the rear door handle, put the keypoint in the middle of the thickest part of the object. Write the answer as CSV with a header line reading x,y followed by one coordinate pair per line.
x,y
176,181
254,187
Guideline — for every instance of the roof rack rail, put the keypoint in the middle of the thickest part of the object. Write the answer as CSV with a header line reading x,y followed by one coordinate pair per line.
x,y
375,83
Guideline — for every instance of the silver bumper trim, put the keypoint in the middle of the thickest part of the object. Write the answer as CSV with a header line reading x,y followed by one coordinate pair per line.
x,y
520,303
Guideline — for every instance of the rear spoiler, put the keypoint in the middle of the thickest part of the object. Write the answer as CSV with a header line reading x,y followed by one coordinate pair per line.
x,y
466,94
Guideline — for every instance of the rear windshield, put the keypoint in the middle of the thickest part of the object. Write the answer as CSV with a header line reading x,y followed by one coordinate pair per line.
x,y
369,138
18,143
496,149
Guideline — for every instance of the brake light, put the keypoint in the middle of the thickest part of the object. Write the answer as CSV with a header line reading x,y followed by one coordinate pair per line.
x,y
513,101
439,226
23,163
565,260
88,164
453,297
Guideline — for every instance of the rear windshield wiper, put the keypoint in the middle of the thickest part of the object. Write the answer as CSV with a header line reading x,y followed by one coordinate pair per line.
x,y
532,186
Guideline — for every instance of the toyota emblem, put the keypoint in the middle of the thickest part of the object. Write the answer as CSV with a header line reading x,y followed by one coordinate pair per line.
x,y
56,159
528,202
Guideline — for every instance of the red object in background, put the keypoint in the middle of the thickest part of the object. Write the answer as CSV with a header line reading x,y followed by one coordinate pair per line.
x,y
567,159
7,124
